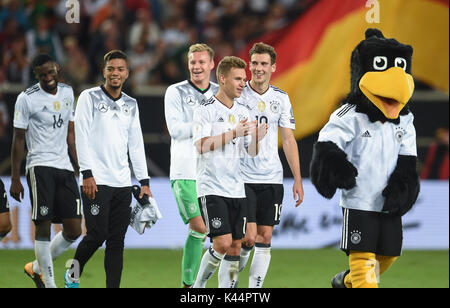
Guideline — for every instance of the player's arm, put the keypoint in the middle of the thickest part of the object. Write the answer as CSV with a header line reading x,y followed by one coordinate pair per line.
x,y
136,151
211,143
21,119
72,146
178,129
83,120
17,152
291,151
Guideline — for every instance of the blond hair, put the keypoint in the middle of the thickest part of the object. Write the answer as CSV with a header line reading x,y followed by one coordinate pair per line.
x,y
227,63
201,47
261,48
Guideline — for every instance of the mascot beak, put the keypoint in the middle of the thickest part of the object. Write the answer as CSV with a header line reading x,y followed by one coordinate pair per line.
x,y
389,90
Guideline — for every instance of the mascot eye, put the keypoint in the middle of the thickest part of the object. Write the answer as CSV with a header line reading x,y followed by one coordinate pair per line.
x,y
400,62
380,63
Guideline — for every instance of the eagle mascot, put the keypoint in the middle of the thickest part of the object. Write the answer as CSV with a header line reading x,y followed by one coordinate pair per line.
x,y
368,150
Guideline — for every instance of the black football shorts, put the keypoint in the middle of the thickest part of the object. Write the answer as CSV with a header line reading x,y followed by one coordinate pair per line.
x,y
54,194
4,205
264,203
224,215
374,232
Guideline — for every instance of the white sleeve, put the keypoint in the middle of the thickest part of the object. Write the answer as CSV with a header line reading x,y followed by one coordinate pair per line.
x,y
287,114
202,124
21,112
136,148
72,114
409,146
178,129
338,130
84,116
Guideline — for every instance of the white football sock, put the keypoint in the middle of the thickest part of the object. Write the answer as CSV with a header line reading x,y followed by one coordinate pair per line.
x,y
210,262
245,255
229,271
58,245
260,265
44,258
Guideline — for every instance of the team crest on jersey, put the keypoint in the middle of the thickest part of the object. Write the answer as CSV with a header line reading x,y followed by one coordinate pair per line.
x,y
275,107
126,110
102,107
261,106
56,106
399,133
43,210
190,100
231,119
95,209
66,103
355,237
216,223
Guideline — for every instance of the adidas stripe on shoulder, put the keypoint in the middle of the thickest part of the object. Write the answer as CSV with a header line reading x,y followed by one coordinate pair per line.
x,y
208,102
32,89
277,89
346,108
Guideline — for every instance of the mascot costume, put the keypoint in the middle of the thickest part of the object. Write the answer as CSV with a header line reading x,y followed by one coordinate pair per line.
x,y
368,149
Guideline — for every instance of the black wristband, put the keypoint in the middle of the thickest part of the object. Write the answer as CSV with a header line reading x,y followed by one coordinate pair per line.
x,y
87,174
145,182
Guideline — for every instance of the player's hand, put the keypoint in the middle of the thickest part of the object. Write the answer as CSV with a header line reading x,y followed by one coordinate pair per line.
x,y
297,189
145,190
260,131
16,190
243,127
90,187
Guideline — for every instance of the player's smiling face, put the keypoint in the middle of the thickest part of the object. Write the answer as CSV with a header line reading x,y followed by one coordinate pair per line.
x,y
261,68
234,82
47,74
115,73
200,66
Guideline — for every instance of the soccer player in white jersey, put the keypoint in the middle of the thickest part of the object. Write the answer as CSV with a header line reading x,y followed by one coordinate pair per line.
x,y
5,220
180,101
107,131
263,174
43,119
221,132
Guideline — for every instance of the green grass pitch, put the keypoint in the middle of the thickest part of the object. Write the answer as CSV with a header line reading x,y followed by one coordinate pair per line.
x,y
155,268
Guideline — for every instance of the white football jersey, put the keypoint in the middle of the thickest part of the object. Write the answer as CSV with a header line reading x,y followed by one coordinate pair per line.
x,y
218,171
179,103
373,148
107,130
274,108
45,117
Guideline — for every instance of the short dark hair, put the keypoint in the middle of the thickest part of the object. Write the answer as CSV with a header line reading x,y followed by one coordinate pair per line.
x,y
114,54
41,59
261,48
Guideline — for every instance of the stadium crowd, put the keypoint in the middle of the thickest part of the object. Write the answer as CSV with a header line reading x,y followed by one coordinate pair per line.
x,y
155,34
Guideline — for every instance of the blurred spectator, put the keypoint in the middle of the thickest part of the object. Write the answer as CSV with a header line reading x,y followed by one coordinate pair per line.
x,y
10,30
258,7
4,118
168,26
144,26
436,162
16,63
13,9
276,18
44,40
112,10
75,69
142,60
175,33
